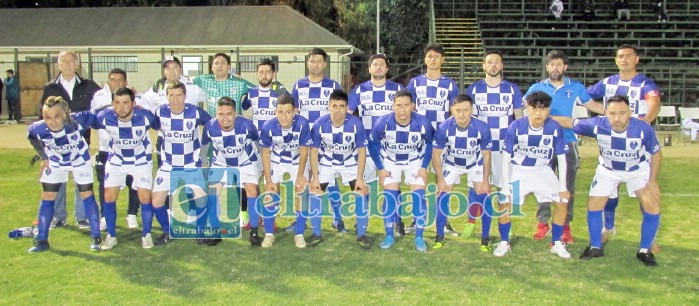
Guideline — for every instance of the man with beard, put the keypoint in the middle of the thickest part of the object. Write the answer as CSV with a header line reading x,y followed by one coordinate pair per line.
x,y
263,97
565,93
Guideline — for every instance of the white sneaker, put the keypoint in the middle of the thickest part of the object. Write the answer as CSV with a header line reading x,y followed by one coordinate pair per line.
x,y
109,243
559,248
503,247
268,241
299,241
147,242
103,224
131,221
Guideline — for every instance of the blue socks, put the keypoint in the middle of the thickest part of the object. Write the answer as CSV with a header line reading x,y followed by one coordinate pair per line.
x,y
594,225
390,210
441,216
487,216
556,232
362,211
649,227
610,212
93,214
110,215
419,211
45,217
163,218
300,226
316,213
335,200
268,214
253,212
505,231
146,218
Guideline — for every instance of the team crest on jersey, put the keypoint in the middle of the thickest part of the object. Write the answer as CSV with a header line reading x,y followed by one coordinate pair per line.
x,y
442,93
634,144
326,92
569,93
414,138
190,125
473,143
241,140
295,137
234,91
391,97
139,133
633,94
274,102
547,141
74,137
506,99
159,180
348,138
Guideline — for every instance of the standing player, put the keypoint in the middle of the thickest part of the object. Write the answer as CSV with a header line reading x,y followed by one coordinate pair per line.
x,y
497,102
401,144
172,73
130,153
263,97
629,153
233,139
311,98
644,101
59,142
531,144
565,94
338,149
181,149
466,146
285,142
222,83
371,100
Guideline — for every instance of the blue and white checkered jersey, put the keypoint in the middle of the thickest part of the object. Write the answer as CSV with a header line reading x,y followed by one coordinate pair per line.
x,y
638,89
402,144
129,141
625,151
372,101
234,148
463,146
263,103
495,106
66,148
180,134
312,99
285,144
534,147
338,146
433,97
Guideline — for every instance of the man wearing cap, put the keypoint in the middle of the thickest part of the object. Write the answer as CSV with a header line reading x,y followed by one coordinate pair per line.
x,y
172,72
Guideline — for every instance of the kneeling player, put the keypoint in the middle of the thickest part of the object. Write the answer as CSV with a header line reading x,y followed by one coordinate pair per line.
x,y
530,146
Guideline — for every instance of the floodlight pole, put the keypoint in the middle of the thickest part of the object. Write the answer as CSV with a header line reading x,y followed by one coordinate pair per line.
x,y
378,23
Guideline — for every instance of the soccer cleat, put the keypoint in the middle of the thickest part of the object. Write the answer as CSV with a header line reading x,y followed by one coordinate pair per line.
x,y
502,248
450,230
57,223
314,241
647,258
591,252
83,224
339,225
608,233
438,242
164,239
542,230
268,241
420,245
364,242
299,241
131,221
485,245
469,229
39,246
567,235
559,248
95,245
400,228
147,241
103,224
410,228
254,237
109,243
387,243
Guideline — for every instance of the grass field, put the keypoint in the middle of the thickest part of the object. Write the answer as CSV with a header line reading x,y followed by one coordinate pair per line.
x,y
339,272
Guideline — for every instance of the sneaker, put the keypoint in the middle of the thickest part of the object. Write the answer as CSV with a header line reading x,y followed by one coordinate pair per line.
x,y
388,242
469,229
567,236
39,246
608,233
83,224
420,245
164,239
131,221
559,248
647,258
450,230
438,242
268,241
109,243
542,230
502,248
591,252
147,241
244,220
103,224
254,237
291,228
299,241
339,225
314,241
410,228
364,242
95,245
400,228
485,245
57,223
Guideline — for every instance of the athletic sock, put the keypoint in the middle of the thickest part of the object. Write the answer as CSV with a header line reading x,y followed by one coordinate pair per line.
x,y
594,225
162,217
146,218
505,231
110,216
649,227
419,211
556,232
389,210
93,215
45,217
610,212
441,215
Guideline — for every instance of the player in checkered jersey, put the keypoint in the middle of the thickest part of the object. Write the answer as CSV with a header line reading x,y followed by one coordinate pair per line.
x,y
263,97
59,142
466,147
311,98
181,149
531,145
401,144
130,153
497,102
285,142
629,153
644,101
338,149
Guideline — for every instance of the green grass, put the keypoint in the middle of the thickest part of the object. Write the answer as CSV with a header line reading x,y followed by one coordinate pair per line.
x,y
338,271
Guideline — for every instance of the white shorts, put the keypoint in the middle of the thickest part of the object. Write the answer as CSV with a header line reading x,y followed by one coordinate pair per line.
x,y
81,175
246,175
194,178
370,171
452,174
328,174
116,175
496,168
606,182
541,181
410,171
278,171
